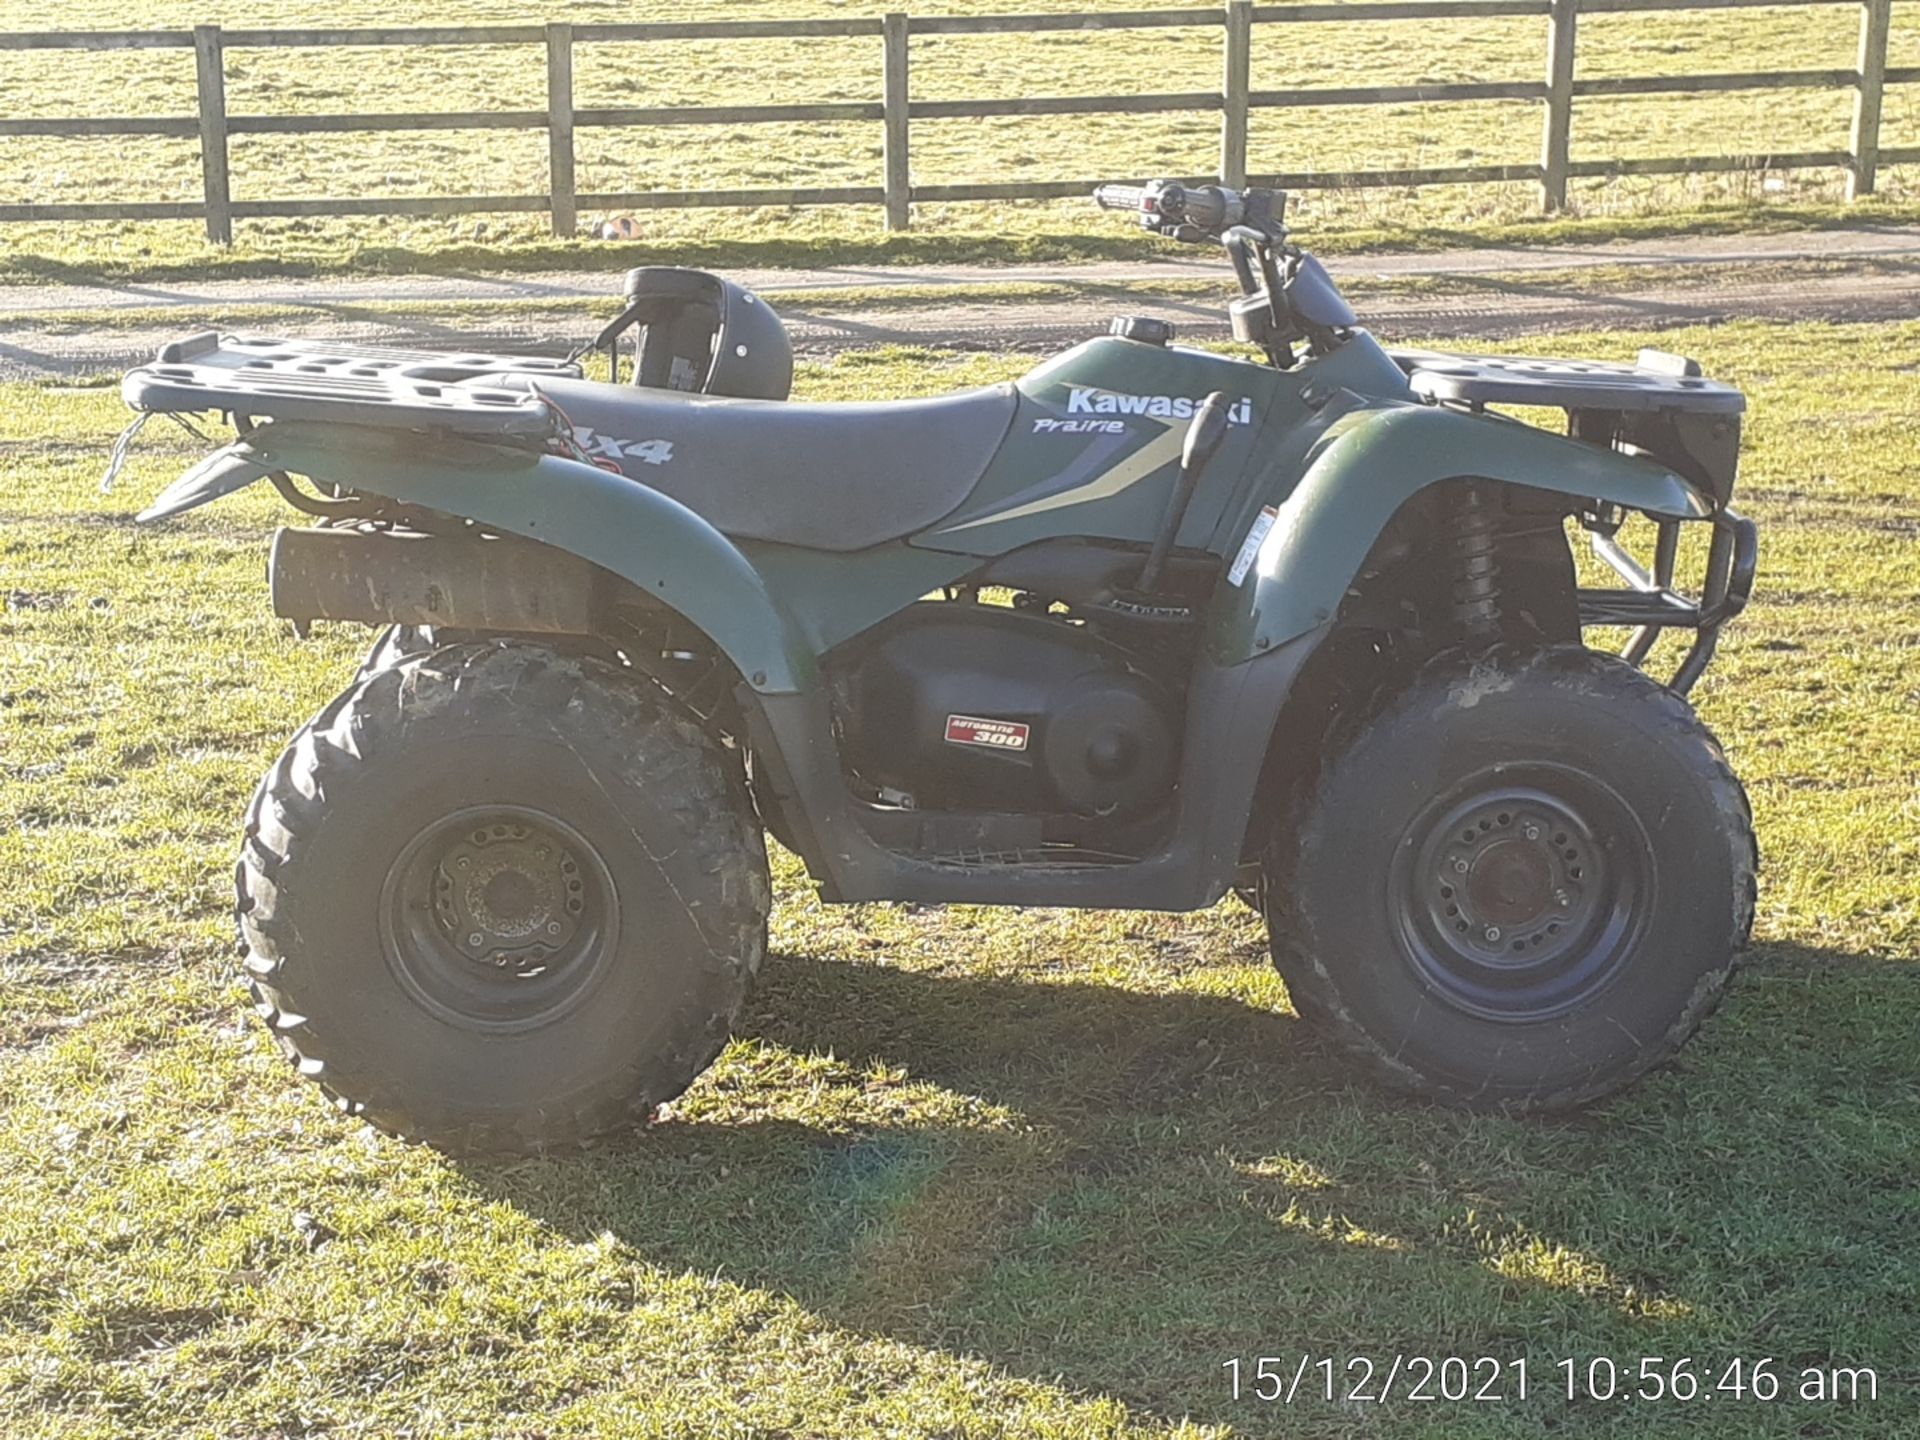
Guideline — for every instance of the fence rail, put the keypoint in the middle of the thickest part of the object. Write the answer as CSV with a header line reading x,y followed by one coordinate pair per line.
x,y
896,110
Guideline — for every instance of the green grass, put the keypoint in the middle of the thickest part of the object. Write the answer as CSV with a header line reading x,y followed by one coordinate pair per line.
x,y
945,151
965,1172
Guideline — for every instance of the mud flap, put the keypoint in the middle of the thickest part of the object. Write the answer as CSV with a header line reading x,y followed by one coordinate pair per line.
x,y
231,468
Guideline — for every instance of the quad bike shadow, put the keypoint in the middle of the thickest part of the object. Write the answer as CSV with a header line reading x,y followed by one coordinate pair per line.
x,y
1124,1189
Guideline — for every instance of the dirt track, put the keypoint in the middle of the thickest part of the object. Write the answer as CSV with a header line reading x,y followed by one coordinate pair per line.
x,y
1867,274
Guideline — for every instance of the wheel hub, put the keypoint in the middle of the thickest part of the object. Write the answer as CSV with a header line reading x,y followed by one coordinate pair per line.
x,y
1508,901
499,918
1514,874
507,895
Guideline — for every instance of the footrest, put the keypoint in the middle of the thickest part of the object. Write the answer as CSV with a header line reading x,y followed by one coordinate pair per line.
x,y
1658,608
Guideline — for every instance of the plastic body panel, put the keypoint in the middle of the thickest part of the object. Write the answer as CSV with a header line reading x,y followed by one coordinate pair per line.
x,y
1230,713
1335,446
1315,299
1365,459
230,468
639,534
1088,455
1095,445
831,597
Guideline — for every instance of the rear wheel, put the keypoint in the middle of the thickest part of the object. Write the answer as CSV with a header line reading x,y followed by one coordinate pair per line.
x,y
394,644
501,899
1521,882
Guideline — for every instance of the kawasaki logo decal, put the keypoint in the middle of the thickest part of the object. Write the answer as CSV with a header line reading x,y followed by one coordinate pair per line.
x,y
1094,474
1084,400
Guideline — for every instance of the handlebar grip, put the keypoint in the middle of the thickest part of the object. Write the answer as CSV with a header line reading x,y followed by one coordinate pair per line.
x,y
1120,197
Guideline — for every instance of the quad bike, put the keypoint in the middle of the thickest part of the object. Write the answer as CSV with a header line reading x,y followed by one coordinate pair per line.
x,y
1147,626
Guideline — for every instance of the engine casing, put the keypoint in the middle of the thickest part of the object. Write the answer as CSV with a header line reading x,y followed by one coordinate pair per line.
x,y
976,707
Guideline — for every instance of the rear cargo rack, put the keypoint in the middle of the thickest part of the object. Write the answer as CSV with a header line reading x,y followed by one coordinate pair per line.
x,y
265,378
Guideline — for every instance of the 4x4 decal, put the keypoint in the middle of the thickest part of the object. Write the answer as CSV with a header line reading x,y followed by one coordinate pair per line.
x,y
647,452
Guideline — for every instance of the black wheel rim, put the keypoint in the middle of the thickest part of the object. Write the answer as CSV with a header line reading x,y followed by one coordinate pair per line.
x,y
499,918
1520,893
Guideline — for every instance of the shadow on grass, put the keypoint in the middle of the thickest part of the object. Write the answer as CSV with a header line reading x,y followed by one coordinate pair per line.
x,y
1121,1191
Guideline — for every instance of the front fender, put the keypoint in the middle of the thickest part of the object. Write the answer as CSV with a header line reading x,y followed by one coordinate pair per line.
x,y
1369,463
620,525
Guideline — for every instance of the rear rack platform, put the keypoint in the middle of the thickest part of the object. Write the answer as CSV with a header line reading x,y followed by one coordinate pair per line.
x,y
1658,382
265,378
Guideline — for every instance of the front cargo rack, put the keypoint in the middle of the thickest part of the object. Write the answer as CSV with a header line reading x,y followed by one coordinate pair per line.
x,y
1661,407
1659,381
463,392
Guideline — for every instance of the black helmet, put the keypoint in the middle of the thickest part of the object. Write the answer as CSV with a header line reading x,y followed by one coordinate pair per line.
x,y
707,334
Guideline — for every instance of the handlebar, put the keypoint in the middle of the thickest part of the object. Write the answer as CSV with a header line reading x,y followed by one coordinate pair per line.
x,y
1247,224
1197,213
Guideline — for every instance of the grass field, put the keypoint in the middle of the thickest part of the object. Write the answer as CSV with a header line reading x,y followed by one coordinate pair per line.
x,y
496,162
965,1172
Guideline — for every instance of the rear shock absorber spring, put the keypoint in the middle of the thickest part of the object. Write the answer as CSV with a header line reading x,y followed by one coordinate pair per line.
x,y
1474,564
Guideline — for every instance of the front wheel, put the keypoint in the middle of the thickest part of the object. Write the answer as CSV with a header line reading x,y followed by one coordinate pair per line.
x,y
1522,882
501,899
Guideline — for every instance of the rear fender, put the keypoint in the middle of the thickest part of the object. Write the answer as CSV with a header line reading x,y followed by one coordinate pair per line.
x,y
618,524
1368,464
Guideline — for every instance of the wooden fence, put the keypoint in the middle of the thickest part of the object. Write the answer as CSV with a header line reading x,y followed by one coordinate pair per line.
x,y
896,109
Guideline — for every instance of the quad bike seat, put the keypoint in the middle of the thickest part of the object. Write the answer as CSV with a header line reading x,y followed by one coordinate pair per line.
x,y
823,476
841,476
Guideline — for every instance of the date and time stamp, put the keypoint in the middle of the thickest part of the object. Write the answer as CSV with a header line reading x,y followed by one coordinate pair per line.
x,y
1306,1379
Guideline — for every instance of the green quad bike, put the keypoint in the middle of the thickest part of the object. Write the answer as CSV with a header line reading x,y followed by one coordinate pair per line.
x,y
1147,626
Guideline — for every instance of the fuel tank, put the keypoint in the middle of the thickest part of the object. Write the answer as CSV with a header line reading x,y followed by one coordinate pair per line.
x,y
1094,449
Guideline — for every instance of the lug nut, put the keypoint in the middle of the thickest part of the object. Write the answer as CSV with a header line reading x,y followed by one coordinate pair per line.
x,y
1561,899
1460,867
1533,832
476,938
1493,932
553,927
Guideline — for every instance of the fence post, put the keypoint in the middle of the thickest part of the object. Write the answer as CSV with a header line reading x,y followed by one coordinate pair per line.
x,y
209,73
1875,16
899,175
1233,94
560,187
1561,23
